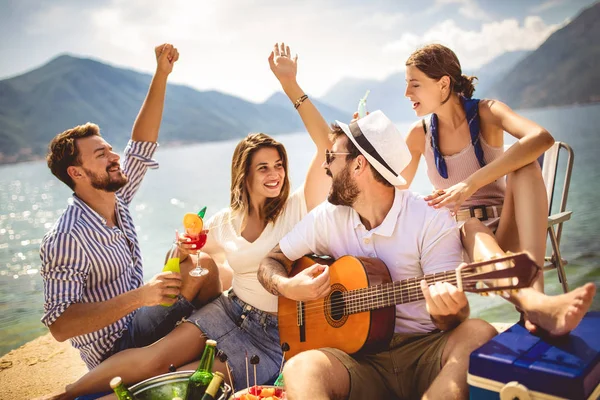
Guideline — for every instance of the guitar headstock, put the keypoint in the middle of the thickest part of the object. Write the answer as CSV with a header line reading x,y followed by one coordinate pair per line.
x,y
510,272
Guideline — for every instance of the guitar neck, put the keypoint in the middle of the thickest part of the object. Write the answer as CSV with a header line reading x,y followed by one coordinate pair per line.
x,y
390,294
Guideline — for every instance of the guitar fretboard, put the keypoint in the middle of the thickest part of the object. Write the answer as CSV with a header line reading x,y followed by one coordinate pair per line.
x,y
390,294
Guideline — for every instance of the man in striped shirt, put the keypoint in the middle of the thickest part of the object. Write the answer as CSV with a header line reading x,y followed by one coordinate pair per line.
x,y
91,259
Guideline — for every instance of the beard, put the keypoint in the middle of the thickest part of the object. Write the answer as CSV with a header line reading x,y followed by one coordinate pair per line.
x,y
105,182
343,190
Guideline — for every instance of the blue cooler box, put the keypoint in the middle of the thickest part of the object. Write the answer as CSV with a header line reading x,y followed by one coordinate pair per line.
x,y
518,365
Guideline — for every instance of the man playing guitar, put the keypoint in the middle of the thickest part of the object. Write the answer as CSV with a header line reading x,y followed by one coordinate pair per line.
x,y
367,217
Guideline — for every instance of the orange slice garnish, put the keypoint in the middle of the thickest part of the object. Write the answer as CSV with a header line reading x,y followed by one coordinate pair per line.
x,y
193,224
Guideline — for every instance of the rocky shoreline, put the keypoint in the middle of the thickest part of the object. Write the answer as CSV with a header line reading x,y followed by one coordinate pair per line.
x,y
38,368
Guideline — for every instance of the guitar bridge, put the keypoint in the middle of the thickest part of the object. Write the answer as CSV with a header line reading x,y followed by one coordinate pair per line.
x,y
300,313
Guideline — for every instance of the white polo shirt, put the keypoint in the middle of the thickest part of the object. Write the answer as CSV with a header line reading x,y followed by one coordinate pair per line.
x,y
413,240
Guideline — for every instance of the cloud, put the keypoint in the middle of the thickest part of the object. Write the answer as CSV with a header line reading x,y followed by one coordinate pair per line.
x,y
546,6
477,47
384,21
467,8
224,44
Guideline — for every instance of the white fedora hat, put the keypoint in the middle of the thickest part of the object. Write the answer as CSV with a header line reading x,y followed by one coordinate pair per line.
x,y
378,139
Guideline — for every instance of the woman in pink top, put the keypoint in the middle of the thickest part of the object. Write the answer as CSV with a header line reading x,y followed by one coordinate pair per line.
x,y
462,143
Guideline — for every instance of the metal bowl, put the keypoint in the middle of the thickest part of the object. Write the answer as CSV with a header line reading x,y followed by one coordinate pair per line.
x,y
244,391
168,386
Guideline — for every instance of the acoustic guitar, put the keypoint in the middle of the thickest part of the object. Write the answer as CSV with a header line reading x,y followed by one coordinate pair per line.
x,y
359,312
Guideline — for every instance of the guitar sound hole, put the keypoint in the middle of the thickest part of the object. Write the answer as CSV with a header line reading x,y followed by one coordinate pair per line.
x,y
334,305
337,305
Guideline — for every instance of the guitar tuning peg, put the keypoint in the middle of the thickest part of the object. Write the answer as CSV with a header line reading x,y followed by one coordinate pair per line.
x,y
493,256
514,291
484,294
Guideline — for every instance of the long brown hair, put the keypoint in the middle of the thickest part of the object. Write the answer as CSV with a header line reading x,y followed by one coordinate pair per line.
x,y
240,169
437,61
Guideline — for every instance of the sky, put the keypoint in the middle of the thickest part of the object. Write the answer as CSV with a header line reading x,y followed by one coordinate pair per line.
x,y
224,44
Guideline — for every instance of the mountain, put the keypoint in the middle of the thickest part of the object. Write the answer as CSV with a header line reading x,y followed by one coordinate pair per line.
x,y
280,99
492,72
68,91
563,70
388,95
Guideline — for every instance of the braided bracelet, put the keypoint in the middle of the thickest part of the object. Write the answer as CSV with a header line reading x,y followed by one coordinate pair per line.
x,y
299,101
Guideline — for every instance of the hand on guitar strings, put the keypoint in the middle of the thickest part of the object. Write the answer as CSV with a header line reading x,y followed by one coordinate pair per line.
x,y
310,284
445,303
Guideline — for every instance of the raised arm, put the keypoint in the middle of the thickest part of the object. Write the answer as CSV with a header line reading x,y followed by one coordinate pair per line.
x,y
415,140
147,123
310,284
284,67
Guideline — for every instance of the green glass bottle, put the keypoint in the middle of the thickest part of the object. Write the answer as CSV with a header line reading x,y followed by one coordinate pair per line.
x,y
120,390
200,379
213,387
172,265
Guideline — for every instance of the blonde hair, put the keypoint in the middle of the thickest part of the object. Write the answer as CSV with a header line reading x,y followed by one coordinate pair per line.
x,y
240,169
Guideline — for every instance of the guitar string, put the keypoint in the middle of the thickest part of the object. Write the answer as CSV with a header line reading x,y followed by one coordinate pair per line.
x,y
363,294
370,298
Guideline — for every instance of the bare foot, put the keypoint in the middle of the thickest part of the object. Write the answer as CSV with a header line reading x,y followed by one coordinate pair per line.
x,y
559,315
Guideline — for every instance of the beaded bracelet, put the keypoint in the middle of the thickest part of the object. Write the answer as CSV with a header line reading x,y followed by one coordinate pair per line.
x,y
299,101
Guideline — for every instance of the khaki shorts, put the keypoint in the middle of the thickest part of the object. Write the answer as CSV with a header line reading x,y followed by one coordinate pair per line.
x,y
404,371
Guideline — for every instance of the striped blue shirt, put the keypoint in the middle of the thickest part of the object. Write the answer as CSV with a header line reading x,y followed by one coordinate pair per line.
x,y
85,261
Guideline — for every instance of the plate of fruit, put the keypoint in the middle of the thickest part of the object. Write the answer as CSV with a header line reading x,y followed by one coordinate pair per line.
x,y
260,392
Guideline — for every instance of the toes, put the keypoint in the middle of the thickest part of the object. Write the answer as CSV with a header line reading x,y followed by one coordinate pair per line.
x,y
530,326
590,289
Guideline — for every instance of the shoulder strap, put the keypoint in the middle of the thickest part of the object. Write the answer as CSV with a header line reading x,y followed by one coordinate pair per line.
x,y
424,125
440,163
472,112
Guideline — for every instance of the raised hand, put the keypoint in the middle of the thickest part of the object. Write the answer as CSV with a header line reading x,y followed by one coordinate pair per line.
x,y
311,284
166,56
283,66
160,287
453,197
355,117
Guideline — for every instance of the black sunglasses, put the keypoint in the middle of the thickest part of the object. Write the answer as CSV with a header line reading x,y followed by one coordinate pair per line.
x,y
329,156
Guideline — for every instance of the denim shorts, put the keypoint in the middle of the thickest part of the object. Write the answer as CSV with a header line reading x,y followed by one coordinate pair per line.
x,y
239,330
150,324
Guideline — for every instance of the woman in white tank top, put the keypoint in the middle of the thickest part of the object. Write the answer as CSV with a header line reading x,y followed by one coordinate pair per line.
x,y
262,210
463,146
